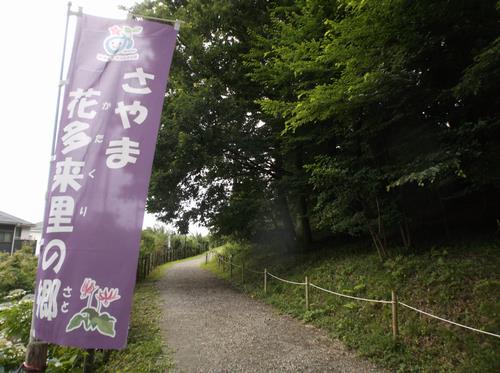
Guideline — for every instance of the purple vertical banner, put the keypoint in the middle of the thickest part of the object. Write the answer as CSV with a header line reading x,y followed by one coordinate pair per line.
x,y
99,180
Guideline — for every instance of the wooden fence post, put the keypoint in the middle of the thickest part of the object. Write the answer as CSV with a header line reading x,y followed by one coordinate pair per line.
x,y
141,265
242,272
265,280
206,257
307,293
395,330
231,267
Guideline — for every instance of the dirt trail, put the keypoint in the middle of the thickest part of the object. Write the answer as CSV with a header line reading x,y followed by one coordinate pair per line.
x,y
212,327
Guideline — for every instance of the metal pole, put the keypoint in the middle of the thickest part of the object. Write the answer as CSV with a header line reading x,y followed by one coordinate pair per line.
x,y
88,361
13,240
36,351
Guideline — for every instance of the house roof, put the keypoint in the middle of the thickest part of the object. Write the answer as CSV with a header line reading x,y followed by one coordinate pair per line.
x,y
12,220
38,227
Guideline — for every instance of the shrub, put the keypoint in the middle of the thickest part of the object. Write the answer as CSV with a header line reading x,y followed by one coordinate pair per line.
x,y
17,271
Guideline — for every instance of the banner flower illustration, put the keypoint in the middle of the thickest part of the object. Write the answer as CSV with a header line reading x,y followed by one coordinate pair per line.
x,y
88,288
106,296
90,317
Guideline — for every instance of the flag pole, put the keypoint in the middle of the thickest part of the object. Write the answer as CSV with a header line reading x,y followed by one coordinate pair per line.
x,y
36,351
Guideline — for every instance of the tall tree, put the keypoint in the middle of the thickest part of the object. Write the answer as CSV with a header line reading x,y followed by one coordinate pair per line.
x,y
218,157
372,118
380,78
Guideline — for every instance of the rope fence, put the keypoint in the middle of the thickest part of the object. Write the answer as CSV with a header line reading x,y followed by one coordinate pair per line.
x,y
350,296
222,261
448,321
286,281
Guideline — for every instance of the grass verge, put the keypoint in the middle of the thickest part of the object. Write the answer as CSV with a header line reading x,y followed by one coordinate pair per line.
x,y
459,282
146,351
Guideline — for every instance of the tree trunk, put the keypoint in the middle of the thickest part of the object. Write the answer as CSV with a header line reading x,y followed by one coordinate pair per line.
x,y
289,230
305,225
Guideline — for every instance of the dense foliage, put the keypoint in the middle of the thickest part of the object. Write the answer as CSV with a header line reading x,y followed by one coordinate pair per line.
x,y
153,239
17,271
314,118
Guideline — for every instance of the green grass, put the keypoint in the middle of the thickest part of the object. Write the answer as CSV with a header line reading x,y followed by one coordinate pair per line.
x,y
459,282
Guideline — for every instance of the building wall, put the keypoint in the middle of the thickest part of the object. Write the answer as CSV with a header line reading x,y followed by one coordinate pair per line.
x,y
28,234
22,238
6,231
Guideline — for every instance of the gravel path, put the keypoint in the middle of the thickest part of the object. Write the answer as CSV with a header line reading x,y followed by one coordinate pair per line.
x,y
212,327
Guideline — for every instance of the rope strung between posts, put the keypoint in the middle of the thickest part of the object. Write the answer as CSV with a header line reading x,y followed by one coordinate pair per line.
x,y
350,296
368,300
237,265
227,261
448,321
287,281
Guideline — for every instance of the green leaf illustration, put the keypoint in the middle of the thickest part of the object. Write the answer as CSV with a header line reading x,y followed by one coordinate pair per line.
x,y
75,322
89,315
91,312
105,324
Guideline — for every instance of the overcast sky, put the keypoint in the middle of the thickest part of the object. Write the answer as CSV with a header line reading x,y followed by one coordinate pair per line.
x,y
31,36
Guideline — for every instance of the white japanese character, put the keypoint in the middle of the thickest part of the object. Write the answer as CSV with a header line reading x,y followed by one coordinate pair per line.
x,y
75,136
81,99
136,108
120,152
67,174
83,210
58,247
60,214
142,76
46,300
67,292
64,307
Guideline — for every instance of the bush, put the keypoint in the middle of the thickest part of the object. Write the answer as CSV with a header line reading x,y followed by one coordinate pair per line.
x,y
153,239
17,271
15,321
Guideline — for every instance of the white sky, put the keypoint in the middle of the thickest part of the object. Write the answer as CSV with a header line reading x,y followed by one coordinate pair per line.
x,y
31,38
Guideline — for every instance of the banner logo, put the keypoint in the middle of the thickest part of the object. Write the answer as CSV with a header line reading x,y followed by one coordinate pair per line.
x,y
119,45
